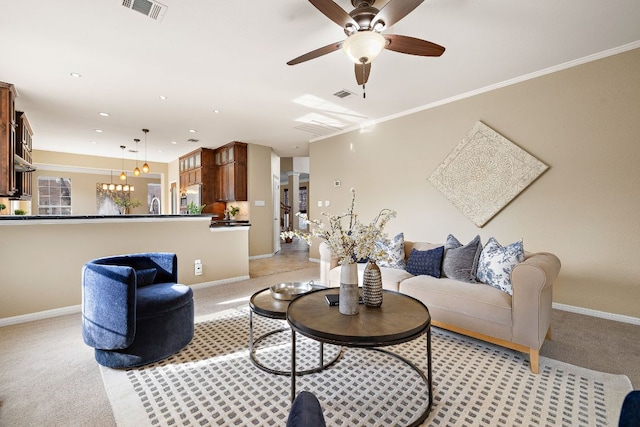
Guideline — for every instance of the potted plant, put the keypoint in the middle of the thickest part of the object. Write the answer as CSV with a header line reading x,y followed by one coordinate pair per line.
x,y
287,236
2,207
193,209
231,211
126,204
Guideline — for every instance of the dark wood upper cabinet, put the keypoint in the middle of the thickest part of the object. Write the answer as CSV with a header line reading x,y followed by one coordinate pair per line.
x,y
198,168
231,172
7,140
22,158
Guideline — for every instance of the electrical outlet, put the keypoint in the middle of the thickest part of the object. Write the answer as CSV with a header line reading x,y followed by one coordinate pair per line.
x,y
197,267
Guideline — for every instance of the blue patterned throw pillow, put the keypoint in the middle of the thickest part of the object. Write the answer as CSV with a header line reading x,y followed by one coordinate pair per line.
x,y
394,249
461,261
496,263
425,262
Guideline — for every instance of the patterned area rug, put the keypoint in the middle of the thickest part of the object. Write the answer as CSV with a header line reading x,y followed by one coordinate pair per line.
x,y
212,382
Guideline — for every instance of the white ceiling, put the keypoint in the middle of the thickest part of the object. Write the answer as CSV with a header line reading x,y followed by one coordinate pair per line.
x,y
231,55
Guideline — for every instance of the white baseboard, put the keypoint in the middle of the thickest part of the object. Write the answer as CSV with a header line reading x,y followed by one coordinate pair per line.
x,y
47,314
596,313
314,260
260,256
40,315
204,285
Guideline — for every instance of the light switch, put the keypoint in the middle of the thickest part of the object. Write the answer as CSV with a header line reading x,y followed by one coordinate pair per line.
x,y
327,203
319,203
259,203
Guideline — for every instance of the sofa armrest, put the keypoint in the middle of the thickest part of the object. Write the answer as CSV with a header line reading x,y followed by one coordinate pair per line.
x,y
108,306
327,262
532,282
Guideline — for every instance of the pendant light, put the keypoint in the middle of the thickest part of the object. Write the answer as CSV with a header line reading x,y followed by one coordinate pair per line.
x,y
145,167
111,185
136,171
123,174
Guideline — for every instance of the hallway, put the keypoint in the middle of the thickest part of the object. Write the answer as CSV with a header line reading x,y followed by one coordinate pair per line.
x,y
292,256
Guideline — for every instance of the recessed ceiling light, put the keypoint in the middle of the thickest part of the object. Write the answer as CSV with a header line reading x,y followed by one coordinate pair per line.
x,y
174,142
98,130
159,151
193,130
162,97
93,142
103,114
216,111
76,75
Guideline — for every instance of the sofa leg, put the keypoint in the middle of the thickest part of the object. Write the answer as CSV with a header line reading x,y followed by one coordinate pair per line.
x,y
548,336
534,360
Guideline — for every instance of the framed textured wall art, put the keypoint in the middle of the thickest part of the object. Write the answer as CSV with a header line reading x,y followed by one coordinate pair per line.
x,y
484,172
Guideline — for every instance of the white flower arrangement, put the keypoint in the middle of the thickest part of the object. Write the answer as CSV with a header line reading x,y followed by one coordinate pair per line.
x,y
357,241
288,234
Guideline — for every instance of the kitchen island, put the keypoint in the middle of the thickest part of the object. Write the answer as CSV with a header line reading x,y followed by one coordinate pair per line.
x,y
42,256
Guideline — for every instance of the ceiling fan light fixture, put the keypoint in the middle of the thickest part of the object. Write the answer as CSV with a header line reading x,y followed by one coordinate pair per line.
x,y
364,46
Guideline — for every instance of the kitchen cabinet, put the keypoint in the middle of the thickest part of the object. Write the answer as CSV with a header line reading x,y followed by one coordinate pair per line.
x,y
7,140
22,157
198,168
231,172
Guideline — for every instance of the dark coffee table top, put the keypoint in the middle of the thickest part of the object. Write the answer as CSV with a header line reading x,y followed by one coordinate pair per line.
x,y
401,318
264,304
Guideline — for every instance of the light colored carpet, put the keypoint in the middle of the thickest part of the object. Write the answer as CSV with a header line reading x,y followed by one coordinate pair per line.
x,y
213,382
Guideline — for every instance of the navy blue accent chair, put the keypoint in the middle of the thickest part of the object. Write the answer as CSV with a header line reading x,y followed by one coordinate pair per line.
x,y
306,411
630,413
133,310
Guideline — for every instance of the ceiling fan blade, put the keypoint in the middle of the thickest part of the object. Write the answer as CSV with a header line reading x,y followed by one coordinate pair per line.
x,y
412,46
362,73
394,11
316,53
334,12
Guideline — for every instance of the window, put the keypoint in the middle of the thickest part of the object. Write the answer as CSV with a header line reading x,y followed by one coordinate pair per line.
x,y
54,196
303,199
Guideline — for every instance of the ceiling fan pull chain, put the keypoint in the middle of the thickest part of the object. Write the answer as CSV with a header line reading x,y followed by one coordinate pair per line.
x,y
364,78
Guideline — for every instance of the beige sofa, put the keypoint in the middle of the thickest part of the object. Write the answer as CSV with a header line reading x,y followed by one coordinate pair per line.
x,y
520,322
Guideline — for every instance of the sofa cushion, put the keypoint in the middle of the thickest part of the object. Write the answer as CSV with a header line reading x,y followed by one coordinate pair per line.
x,y
394,248
473,306
425,262
460,262
496,263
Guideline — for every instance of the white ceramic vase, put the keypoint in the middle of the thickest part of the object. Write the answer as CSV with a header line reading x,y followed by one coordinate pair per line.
x,y
348,289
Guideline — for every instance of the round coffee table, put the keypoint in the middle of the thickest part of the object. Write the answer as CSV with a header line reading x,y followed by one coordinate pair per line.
x,y
264,304
400,319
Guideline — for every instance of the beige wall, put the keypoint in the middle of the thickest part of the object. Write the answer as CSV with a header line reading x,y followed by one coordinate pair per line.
x,y
42,269
582,122
260,181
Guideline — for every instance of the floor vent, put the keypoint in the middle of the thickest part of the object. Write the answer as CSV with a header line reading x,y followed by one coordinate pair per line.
x,y
152,9
343,93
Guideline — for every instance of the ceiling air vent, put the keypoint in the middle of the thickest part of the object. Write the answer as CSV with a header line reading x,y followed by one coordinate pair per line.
x,y
343,93
317,128
192,140
152,9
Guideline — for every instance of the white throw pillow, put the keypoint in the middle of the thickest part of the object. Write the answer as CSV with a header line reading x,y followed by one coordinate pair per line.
x,y
496,263
394,248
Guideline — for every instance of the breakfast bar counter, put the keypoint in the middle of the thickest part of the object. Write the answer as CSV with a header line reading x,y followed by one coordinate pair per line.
x,y
44,255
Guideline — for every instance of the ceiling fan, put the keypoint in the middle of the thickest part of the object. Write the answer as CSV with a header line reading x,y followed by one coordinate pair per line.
x,y
363,27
